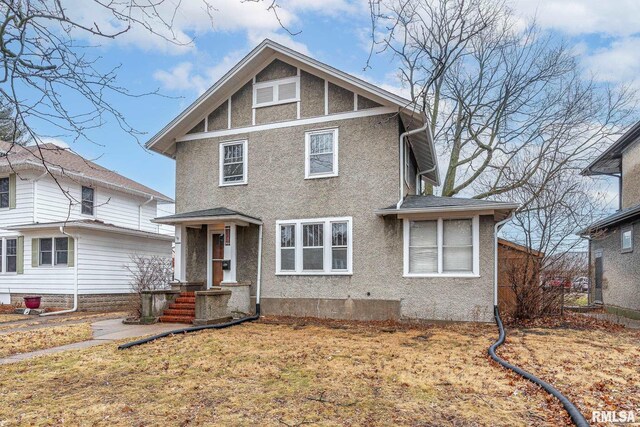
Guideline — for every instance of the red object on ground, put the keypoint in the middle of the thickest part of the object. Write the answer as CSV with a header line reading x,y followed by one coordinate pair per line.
x,y
32,301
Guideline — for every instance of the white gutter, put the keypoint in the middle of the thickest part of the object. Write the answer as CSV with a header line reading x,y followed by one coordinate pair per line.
x,y
259,278
496,229
35,196
401,151
76,240
140,211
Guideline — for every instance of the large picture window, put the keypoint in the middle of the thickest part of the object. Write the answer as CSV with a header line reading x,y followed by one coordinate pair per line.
x,y
321,153
233,163
314,246
441,247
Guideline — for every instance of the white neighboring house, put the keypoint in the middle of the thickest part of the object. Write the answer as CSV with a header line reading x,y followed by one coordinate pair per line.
x,y
72,252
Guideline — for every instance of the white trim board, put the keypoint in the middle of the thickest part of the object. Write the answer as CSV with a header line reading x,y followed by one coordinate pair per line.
x,y
321,119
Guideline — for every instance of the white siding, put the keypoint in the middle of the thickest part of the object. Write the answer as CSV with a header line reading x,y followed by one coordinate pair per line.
x,y
38,280
112,207
102,260
23,213
165,209
103,257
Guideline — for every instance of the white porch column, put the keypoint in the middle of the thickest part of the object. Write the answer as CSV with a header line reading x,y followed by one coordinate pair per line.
x,y
180,259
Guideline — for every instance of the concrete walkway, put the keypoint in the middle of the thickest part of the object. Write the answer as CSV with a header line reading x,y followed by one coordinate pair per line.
x,y
104,331
613,318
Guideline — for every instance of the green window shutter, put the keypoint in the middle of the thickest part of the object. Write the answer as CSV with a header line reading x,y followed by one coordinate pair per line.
x,y
12,191
20,255
35,251
71,250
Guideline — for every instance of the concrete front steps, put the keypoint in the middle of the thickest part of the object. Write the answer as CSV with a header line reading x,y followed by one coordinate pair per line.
x,y
183,310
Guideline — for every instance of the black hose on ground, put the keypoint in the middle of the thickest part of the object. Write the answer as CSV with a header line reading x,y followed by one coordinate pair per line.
x,y
192,329
577,418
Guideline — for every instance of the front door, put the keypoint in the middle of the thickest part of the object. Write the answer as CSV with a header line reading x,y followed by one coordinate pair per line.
x,y
218,257
598,273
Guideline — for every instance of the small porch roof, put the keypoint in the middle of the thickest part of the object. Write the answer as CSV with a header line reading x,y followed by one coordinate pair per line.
x,y
208,216
430,204
89,224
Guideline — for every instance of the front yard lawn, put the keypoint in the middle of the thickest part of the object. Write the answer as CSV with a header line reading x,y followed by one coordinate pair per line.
x,y
295,372
38,339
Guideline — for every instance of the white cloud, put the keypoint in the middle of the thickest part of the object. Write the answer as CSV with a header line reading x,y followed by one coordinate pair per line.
x,y
617,63
574,17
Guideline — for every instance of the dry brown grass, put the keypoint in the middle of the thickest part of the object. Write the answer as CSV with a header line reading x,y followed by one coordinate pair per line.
x,y
61,319
4,318
279,374
596,369
39,339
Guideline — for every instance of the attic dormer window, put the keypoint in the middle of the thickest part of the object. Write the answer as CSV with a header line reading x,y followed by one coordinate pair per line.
x,y
276,92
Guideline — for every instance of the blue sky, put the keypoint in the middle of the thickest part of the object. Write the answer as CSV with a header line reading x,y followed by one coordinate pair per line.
x,y
606,36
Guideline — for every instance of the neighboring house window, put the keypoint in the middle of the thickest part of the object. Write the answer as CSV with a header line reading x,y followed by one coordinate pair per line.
x,y
46,251
87,200
627,239
4,192
233,163
314,246
321,153
275,92
441,247
11,258
61,250
54,251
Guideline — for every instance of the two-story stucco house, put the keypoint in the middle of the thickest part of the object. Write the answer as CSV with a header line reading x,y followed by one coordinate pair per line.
x,y
72,254
614,257
321,172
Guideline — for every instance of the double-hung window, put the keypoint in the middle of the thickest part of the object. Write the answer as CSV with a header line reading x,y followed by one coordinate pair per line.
x,y
4,192
233,163
627,239
11,257
321,153
314,246
87,200
53,251
441,247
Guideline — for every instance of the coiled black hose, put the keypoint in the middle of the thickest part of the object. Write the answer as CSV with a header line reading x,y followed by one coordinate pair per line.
x,y
577,418
192,329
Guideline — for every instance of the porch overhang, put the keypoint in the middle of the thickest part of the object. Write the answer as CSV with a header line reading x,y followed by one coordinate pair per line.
x,y
429,205
208,216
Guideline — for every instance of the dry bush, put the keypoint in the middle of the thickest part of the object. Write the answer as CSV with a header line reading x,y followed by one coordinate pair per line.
x,y
149,273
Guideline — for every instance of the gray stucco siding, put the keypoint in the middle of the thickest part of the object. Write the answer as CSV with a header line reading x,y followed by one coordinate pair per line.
x,y
219,118
276,113
621,271
241,106
631,176
340,99
368,179
311,95
366,103
276,70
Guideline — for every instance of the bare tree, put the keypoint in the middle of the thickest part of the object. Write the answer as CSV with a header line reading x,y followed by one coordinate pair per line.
x,y
497,94
148,273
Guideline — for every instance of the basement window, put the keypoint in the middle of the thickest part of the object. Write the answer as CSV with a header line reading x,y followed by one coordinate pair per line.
x,y
274,92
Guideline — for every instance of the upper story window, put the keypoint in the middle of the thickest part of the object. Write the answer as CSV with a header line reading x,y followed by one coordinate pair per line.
x,y
314,246
276,92
233,163
88,194
4,192
441,247
627,239
321,153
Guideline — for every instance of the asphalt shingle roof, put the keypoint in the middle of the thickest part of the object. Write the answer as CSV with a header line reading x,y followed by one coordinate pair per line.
x,y
620,216
206,213
431,201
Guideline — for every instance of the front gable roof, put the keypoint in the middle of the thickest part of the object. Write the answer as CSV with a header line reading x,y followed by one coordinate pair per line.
x,y
263,55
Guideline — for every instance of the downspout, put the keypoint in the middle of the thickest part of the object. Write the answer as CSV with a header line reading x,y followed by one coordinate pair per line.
x,y
256,316
76,241
401,161
35,196
140,211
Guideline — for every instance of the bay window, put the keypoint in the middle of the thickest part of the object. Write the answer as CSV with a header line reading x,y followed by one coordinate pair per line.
x,y
441,247
314,246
